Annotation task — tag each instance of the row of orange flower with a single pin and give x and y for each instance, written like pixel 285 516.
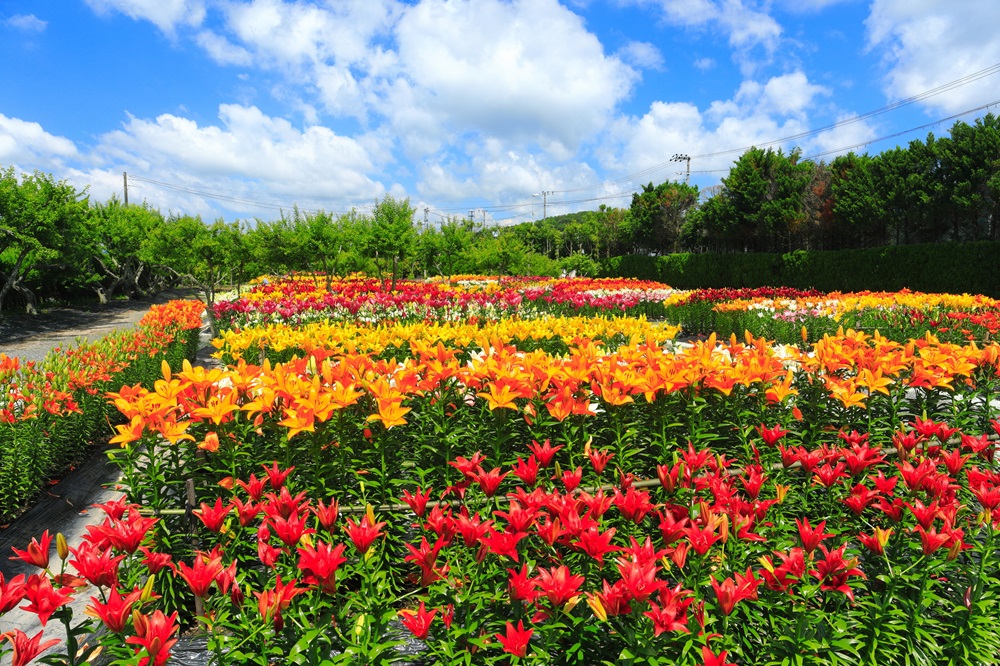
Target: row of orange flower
pixel 303 393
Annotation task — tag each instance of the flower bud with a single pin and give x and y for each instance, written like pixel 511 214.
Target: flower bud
pixel 62 548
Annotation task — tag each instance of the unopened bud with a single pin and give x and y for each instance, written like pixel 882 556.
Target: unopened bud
pixel 62 548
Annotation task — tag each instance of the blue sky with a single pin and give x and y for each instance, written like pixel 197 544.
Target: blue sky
pixel 243 108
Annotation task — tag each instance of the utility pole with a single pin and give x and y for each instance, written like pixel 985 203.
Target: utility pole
pixel 125 180
pixel 425 216
pixel 680 157
pixel 544 194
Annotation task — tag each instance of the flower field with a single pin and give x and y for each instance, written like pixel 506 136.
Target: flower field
pixel 519 471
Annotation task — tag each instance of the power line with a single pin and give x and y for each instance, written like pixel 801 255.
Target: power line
pixel 946 87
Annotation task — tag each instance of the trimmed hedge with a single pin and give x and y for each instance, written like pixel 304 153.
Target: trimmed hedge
pixel 954 268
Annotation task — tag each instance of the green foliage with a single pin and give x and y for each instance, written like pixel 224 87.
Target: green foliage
pixel 657 216
pixel 43 238
pixel 954 268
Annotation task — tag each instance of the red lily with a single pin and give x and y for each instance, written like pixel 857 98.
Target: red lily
pixel 425 557
pixel 270 603
pixel 811 536
pixel 254 487
pixel 558 584
pixel 99 567
pixel 544 452
pixel 515 641
pixel 772 435
pixel 275 476
pixel 634 504
pixel 246 512
pixel 596 543
pixel 319 565
pixel 213 516
pixel 730 591
pixel 153 633
pixel 521 586
pixel 527 470
pixel 200 576
pixel 363 534
pixel 43 599
pixel 833 571
pixel 37 552
pixel 418 621
pixel 501 543
pixel 116 612
pixel 671 613
pixel 417 501
pixel 11 592
pixel 709 658
pixel 489 481
pixel 26 649
pixel 571 478
pixel 599 459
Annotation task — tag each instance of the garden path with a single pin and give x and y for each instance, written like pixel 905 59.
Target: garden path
pixel 66 506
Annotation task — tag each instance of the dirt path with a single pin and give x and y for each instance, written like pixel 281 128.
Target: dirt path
pixel 30 338
pixel 66 506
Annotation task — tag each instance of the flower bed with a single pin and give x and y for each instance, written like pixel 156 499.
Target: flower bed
pixel 787 315
pixel 702 504
pixel 50 412
pixel 299 300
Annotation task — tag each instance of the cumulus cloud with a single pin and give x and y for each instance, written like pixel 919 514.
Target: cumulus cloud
pixel 746 23
pixel 167 15
pixel 642 54
pixel 28 144
pixel 926 44
pixel 539 77
pixel 222 51
pixel 247 144
pixel 26 23
pixel 756 115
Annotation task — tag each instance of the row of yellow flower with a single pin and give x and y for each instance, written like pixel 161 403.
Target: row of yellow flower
pixel 299 394
pixel 834 304
pixel 349 338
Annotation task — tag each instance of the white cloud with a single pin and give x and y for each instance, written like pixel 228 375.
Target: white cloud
pixel 526 71
pixel 757 114
pixel 26 23
pixel 642 54
pixel 247 144
pixel 746 23
pixel 928 43
pixel 222 51
pixel 167 15
pixel 704 64
pixel 28 144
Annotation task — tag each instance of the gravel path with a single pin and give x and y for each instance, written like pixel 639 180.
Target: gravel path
pixel 30 338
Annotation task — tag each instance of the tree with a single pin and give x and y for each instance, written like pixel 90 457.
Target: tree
pixel 42 233
pixel 765 189
pixel 658 213
pixel 198 254
pixel 119 232
pixel 393 234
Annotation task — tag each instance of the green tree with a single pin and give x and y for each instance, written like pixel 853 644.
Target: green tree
pixel 765 189
pixel 119 232
pixel 197 254
pixel 393 235
pixel 43 234
pixel 658 214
